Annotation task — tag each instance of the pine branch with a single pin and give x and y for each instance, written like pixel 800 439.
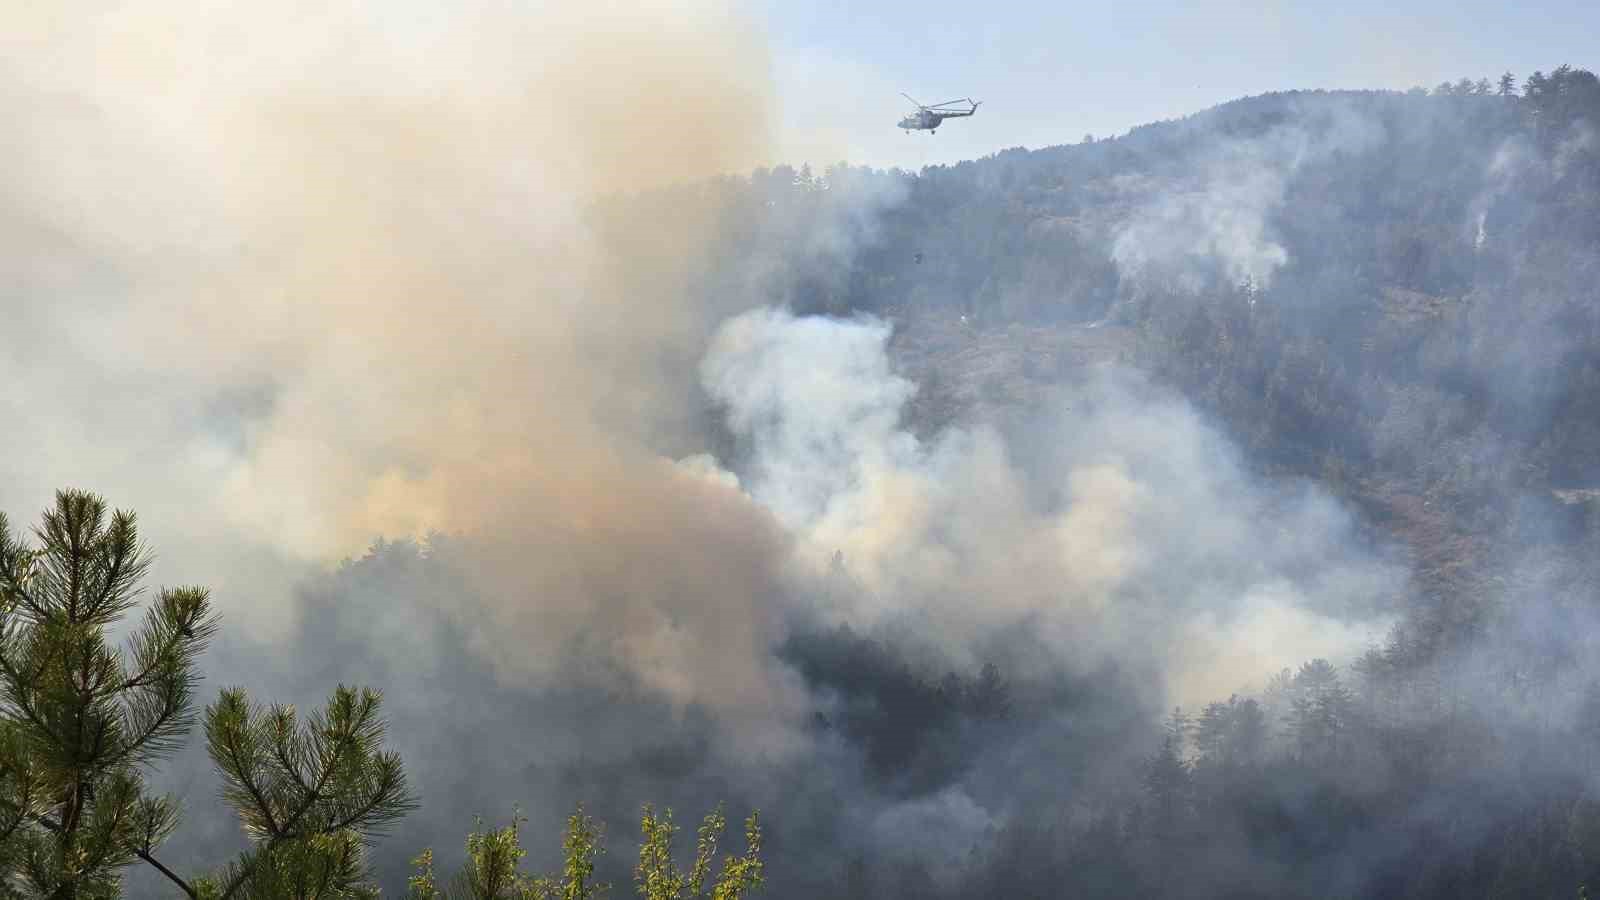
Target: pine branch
pixel 387 802
pixel 242 871
pixel 155 728
pixel 175 633
pixel 21 808
pixel 157 712
pixel 61 528
pixel 282 723
pixel 373 794
pixel 172 876
pixel 17 568
pixel 300 867
pixel 227 722
pixel 19 697
pixel 329 767
pixel 109 819
pixel 322 883
pixel 349 792
pixel 128 564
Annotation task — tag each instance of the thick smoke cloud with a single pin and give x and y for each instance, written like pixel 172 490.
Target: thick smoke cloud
pixel 1138 533
pixel 287 280
pixel 1157 579
pixel 307 275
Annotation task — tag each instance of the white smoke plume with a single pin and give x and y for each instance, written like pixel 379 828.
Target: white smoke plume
pixel 288 278
pixel 1144 534
pixel 1214 217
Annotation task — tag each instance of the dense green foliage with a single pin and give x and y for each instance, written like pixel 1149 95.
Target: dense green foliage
pixel 80 718
pixel 81 721
pixel 659 878
pixel 308 796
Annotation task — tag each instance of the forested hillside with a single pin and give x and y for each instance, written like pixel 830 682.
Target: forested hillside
pixel 1392 294
pixel 903 507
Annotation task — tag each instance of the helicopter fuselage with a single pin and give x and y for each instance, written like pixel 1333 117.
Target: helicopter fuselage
pixel 929 118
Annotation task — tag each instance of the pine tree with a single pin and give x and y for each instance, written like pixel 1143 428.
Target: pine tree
pixel 82 720
pixel 1178 727
pixel 1248 738
pixel 1321 712
pixel 1166 782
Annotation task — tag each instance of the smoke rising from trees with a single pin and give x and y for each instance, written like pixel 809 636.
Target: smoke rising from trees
pixel 290 281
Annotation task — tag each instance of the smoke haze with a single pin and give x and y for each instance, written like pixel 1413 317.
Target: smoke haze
pixel 953 538
pixel 288 280
pixel 331 273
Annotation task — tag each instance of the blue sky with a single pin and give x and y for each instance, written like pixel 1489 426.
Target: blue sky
pixel 1051 72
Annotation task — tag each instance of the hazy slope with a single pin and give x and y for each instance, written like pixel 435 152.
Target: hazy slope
pixel 901 505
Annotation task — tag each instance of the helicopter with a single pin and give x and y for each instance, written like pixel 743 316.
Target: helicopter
pixel 927 118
